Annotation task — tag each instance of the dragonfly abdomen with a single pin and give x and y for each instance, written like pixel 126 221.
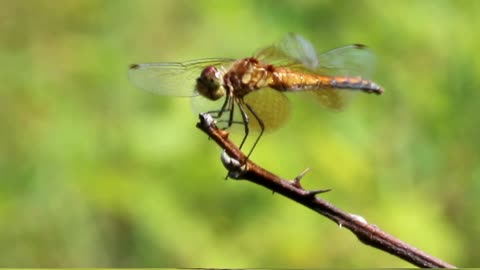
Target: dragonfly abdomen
pixel 354 83
pixel 287 80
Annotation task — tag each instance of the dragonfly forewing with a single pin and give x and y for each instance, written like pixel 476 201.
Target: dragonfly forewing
pixel 171 79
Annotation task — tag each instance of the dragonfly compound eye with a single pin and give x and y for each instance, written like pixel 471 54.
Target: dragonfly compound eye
pixel 209 84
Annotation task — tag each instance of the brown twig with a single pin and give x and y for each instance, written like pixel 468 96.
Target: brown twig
pixel 241 168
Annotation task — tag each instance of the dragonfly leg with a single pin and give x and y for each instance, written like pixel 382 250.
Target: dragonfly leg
pixel 230 117
pixel 230 108
pixel 262 127
pixel 245 120
pixel 226 107
pixel 230 122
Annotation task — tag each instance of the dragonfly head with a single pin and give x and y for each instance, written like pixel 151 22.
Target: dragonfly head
pixel 209 83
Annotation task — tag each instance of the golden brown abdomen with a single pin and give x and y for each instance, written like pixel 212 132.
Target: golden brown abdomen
pixel 287 80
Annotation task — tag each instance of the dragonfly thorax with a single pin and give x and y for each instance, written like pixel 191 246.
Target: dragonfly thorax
pixel 209 84
pixel 248 75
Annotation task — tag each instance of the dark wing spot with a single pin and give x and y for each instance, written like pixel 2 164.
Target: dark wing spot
pixel 134 66
pixel 360 46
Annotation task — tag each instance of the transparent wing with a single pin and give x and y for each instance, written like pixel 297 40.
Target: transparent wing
pixel 350 60
pixel 292 51
pixel 201 105
pixel 173 79
pixel 332 98
pixel 296 52
pixel 271 106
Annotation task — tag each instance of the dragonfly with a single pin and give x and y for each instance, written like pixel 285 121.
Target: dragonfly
pixel 250 92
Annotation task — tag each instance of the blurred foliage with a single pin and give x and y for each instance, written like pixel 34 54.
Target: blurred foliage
pixel 95 173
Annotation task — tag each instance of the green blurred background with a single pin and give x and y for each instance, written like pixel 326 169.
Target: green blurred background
pixel 95 173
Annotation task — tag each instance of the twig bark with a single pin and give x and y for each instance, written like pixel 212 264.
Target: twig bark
pixel 241 168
